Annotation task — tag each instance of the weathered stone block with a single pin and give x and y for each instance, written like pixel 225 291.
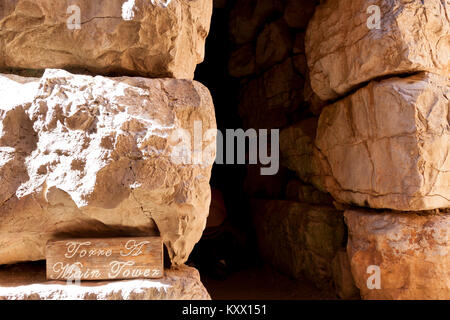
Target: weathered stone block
pixel 345 47
pixel 411 250
pixel 387 145
pixel 133 37
pixel 90 156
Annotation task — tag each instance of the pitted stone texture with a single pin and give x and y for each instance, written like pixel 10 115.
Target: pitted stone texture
pixel 27 283
pixel 86 156
pixel 387 145
pixel 132 37
pixel 412 251
pixel 344 53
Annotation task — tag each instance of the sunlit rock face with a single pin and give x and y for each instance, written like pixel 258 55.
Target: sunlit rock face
pixel 347 47
pixel 399 255
pixel 382 142
pixel 82 155
pixel 387 144
pixel 123 37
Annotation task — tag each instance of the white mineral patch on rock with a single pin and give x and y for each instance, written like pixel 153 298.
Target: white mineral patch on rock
pixel 92 155
pixel 128 10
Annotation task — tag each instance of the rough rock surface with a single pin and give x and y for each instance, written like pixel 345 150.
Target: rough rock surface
pixel 387 145
pixel 316 104
pixel 27 283
pixel 273 44
pixel 297 149
pixel 82 156
pixel 297 238
pixel 242 61
pixel 267 101
pixel 132 37
pixel 343 278
pixel 411 249
pixel 343 52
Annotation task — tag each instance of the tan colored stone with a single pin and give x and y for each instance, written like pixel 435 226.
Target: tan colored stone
pixel 298 12
pixel 343 53
pixel 343 278
pixel 316 104
pixel 28 283
pixel 266 101
pixel 387 145
pixel 297 238
pixel 132 37
pixel 242 61
pixel 90 156
pixel 248 16
pixel 273 44
pixel 412 251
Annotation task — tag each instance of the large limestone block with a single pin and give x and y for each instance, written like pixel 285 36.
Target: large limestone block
pixel 87 156
pixel 133 37
pixel 343 52
pixel 411 250
pixel 24 282
pixel 387 145
pixel 299 239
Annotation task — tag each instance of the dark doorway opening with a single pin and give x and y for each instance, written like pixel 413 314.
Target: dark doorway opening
pixel 230 265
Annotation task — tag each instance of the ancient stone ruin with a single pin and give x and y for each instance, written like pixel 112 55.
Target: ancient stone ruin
pixel 99 137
